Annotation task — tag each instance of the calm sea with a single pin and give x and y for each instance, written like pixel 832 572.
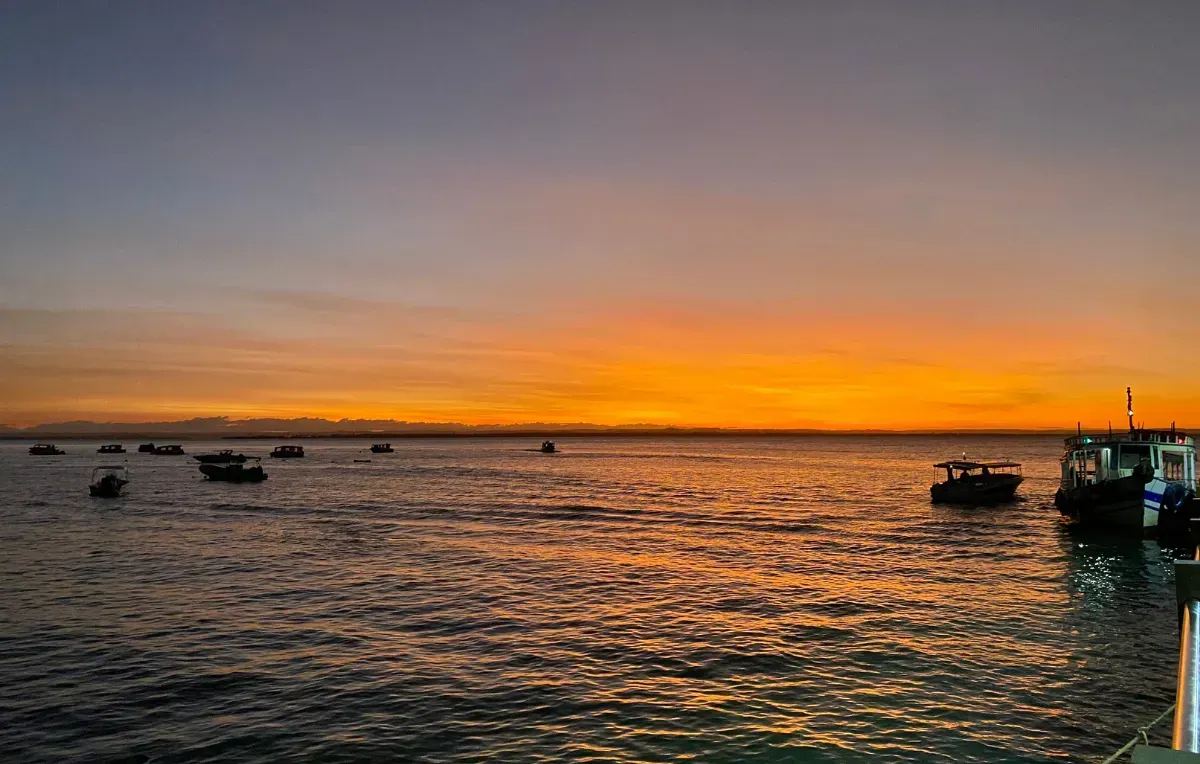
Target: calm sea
pixel 627 600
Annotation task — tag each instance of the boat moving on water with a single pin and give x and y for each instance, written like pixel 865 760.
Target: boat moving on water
pixel 548 447
pixel 235 473
pixel 976 483
pixel 221 457
pixel 107 482
pixel 45 449
pixel 1141 480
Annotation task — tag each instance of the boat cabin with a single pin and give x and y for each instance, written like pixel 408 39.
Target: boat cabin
pixel 112 448
pixel 168 451
pixel 1093 459
pixel 959 469
pixel 288 452
pixel 46 449
pixel 382 448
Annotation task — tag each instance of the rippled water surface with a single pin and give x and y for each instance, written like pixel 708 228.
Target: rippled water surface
pixel 716 600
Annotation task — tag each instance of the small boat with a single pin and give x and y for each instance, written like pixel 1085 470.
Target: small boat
pixel 169 451
pixel 146 448
pixel 112 448
pixel 288 452
pixel 548 447
pixel 1142 480
pixel 221 457
pixel 107 482
pixel 382 448
pixel 235 473
pixel 45 449
pixel 976 483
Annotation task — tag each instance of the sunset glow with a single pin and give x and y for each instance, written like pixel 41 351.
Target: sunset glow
pixel 482 214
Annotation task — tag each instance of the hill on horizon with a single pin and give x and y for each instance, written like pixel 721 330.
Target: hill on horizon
pixel 225 427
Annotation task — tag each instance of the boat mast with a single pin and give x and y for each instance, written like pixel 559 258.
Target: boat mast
pixel 1129 406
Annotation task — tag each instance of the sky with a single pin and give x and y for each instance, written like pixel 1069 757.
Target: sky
pixel 808 214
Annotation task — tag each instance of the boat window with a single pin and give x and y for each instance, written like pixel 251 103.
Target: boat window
pixel 1173 466
pixel 1132 455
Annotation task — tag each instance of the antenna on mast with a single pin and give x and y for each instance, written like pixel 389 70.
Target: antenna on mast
pixel 1129 406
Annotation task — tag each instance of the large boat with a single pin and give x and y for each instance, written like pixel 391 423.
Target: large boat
pixel 45 449
pixel 221 457
pixel 382 448
pixel 146 448
pixel 111 448
pixel 169 451
pixel 107 482
pixel 288 452
pixel 976 483
pixel 1138 480
pixel 235 473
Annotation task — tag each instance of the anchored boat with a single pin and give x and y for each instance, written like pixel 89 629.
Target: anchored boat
pixel 382 448
pixel 45 449
pixel 146 448
pixel 168 451
pixel 1138 480
pixel 548 447
pixel 111 448
pixel 107 482
pixel 235 473
pixel 288 452
pixel 976 483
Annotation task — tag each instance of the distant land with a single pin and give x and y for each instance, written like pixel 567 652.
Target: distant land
pixel 307 427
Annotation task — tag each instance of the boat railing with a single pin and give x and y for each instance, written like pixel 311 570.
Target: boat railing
pixel 1162 437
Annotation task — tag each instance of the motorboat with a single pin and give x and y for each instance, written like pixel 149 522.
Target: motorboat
pixel 976 483
pixel 221 457
pixel 1140 480
pixel 288 452
pixel 382 448
pixel 235 472
pixel 169 451
pixel 548 447
pixel 146 448
pixel 107 482
pixel 112 448
pixel 45 449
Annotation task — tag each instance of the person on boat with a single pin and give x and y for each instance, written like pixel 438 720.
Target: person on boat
pixel 963 475
pixel 985 472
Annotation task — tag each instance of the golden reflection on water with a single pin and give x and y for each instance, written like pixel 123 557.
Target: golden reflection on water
pixel 639 599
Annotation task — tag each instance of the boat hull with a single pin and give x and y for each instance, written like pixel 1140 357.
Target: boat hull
pixel 220 458
pixel 106 489
pixel 996 489
pixel 233 473
pixel 1118 503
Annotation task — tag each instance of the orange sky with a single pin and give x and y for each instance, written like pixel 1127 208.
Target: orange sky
pixel 792 216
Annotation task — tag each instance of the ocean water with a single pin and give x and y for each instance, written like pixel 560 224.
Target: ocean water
pixel 626 600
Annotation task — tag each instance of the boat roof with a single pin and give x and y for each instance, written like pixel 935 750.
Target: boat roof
pixel 1167 437
pixel 958 464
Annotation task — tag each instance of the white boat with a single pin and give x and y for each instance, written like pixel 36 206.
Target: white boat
pixel 1138 480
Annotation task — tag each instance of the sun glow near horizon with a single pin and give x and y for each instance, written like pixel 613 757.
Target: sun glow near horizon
pixel 797 217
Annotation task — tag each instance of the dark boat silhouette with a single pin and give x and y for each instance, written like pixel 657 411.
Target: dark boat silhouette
pixel 45 449
pixel 382 448
pixel 112 448
pixel 234 473
pixel 221 457
pixel 146 448
pixel 107 482
pixel 548 447
pixel 169 451
pixel 976 483
pixel 288 452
